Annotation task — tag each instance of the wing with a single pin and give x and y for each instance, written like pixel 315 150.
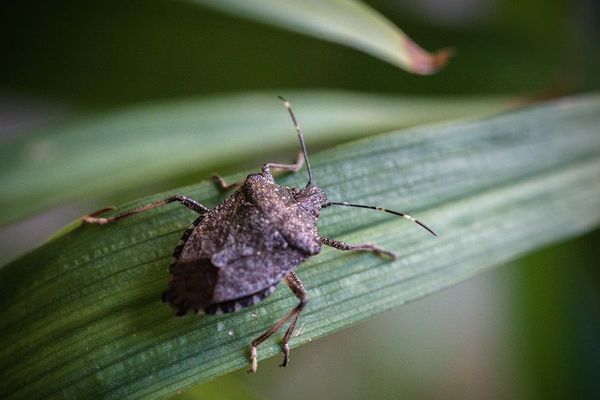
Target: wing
pixel 249 275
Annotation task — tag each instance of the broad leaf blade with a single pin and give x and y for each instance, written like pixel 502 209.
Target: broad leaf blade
pixel 81 316
pixel 348 22
pixel 101 155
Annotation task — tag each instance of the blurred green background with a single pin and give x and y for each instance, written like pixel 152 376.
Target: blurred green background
pixel 530 329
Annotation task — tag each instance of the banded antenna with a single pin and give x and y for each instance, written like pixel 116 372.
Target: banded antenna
pixel 400 214
pixel 300 137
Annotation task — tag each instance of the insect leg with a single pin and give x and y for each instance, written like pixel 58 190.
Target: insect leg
pixel 266 168
pixel 296 286
pixel 189 203
pixel 220 182
pixel 358 247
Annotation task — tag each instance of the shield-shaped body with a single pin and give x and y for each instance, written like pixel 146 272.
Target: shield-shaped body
pixel 235 255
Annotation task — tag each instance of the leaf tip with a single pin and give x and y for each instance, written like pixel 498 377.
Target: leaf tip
pixel 423 62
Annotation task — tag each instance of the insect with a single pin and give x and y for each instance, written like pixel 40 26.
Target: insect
pixel 233 256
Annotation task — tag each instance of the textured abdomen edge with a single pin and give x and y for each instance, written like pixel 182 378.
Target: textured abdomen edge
pixel 237 304
pixel 184 238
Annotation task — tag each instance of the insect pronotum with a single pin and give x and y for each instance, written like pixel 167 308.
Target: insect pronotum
pixel 233 256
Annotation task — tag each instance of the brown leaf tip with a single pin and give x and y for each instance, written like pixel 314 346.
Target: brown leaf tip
pixel 423 62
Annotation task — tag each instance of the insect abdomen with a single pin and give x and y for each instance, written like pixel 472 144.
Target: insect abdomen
pixel 192 285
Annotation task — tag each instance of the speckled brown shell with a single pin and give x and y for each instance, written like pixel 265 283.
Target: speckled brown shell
pixel 235 255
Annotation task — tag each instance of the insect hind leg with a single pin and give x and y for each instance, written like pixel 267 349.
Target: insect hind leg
pixel 296 286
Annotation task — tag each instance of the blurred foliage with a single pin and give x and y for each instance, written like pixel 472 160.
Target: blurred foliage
pixel 101 53
pixel 349 22
pixel 107 153
pixel 226 388
pixel 558 292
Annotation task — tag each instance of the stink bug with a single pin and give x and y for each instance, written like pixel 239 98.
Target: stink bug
pixel 235 255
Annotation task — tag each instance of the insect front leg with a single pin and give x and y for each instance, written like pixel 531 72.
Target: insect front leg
pixel 358 247
pixel 296 286
pixel 223 185
pixel 189 203
pixel 266 168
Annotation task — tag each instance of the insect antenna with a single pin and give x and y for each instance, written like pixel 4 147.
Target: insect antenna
pixel 300 137
pixel 402 215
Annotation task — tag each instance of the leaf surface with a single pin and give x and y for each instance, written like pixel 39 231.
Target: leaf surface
pixel 81 316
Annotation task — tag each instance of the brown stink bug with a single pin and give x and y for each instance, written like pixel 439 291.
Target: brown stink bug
pixel 235 255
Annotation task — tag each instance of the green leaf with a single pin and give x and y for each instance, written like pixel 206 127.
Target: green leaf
pixel 348 22
pixel 100 155
pixel 81 316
